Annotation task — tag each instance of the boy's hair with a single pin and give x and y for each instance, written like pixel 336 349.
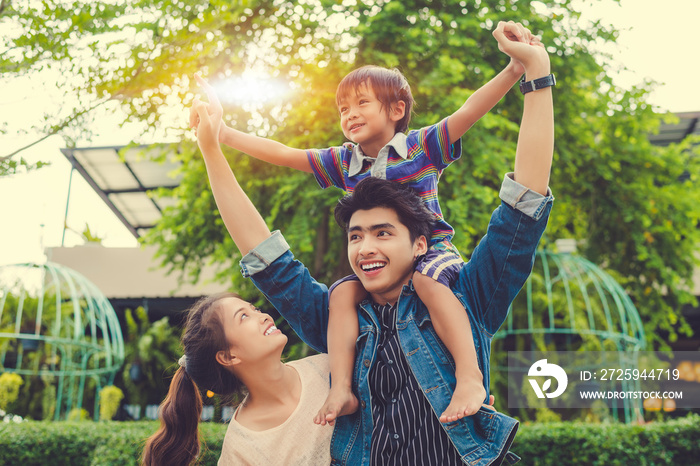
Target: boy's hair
pixel 374 192
pixel 389 85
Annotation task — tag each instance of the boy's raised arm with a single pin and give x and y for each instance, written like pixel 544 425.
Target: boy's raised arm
pixel 488 95
pixel 263 149
pixel 243 221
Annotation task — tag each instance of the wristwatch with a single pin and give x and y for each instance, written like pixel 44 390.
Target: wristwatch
pixel 536 84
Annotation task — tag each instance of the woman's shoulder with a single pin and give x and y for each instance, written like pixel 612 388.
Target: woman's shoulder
pixel 317 361
pixel 313 366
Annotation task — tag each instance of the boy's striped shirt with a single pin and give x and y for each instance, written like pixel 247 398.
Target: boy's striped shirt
pixel 416 159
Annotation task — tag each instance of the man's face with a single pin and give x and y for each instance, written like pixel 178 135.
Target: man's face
pixel 381 252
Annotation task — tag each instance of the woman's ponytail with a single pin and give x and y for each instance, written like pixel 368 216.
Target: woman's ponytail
pixel 177 440
pixel 176 443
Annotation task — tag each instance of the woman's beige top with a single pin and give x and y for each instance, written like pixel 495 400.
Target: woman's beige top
pixel 297 441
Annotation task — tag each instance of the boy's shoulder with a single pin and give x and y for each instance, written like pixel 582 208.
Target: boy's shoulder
pixel 343 150
pixel 439 126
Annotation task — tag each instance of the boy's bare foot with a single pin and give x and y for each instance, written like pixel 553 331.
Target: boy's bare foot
pixel 468 397
pixel 340 402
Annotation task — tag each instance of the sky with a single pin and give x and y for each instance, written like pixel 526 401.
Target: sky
pixel 657 42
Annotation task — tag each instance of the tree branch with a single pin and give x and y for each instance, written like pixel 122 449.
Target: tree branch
pixel 55 129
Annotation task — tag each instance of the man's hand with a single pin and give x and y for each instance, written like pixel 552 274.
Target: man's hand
pixel 516 32
pixel 492 399
pixel 522 47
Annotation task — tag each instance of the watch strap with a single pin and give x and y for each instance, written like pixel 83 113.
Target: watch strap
pixel 536 84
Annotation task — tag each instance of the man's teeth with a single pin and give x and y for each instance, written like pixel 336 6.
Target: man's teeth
pixel 372 266
pixel 270 330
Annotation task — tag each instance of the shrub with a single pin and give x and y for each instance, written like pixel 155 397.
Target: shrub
pixel 78 414
pixel 9 388
pixel 610 444
pixel 91 443
pixel 110 397
pixel 561 443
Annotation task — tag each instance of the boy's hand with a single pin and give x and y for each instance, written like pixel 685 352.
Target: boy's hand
pixel 518 33
pixel 206 118
pixel 522 47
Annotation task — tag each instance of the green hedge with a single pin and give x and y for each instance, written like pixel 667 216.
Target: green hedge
pixel 89 443
pixel 675 442
pixel 119 443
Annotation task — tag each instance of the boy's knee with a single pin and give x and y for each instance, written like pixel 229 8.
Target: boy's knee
pixel 349 291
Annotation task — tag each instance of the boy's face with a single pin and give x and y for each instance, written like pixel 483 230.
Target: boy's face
pixel 381 252
pixel 365 121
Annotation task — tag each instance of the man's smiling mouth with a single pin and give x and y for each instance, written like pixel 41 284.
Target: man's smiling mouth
pixel 372 266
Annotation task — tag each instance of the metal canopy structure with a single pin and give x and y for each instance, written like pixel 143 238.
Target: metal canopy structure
pixel 571 304
pixel 670 133
pixel 57 325
pixel 126 178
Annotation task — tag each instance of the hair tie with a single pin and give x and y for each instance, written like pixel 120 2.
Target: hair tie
pixel 183 361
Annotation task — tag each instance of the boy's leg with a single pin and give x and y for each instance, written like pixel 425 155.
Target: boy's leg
pixel 343 331
pixel 452 325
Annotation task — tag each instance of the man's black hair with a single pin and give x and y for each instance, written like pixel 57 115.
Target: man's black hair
pixel 375 192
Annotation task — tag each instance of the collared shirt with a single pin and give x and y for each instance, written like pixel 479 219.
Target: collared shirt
pixel 405 429
pixel 416 159
pixel 378 170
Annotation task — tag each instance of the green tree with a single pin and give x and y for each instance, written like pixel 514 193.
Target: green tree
pixel 630 205
pixel 10 166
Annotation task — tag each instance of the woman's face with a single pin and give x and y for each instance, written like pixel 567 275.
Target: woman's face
pixel 251 334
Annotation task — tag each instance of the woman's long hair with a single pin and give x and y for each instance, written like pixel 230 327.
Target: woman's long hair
pixel 177 442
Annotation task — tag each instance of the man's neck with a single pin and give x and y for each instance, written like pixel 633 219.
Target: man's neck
pixel 386 298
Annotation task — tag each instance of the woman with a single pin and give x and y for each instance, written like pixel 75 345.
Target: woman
pixel 229 345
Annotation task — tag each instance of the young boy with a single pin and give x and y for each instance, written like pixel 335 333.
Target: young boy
pixel 375 108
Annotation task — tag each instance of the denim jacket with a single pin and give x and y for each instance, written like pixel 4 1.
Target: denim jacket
pixel 486 286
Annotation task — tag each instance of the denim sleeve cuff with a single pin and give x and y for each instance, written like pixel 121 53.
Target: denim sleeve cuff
pixel 264 254
pixel 524 199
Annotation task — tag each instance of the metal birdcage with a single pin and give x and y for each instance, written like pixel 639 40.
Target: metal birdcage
pixel 570 304
pixel 57 325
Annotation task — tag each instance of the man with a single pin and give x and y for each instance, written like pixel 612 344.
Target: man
pixel 403 376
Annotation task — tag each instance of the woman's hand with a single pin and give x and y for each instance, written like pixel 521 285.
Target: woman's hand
pixel 206 118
